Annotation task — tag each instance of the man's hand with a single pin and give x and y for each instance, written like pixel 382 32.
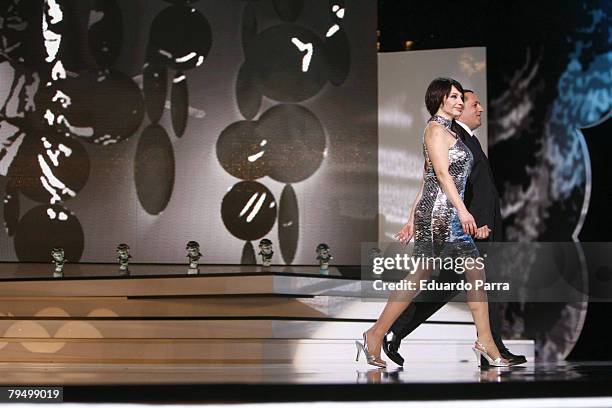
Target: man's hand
pixel 482 232
pixel 406 233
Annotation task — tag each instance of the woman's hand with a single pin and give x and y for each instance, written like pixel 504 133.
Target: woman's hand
pixel 467 222
pixel 406 233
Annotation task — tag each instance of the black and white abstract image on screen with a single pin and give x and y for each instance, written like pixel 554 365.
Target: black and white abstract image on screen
pixel 159 122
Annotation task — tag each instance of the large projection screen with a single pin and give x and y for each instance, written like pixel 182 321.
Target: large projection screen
pixel 252 126
pixel 403 78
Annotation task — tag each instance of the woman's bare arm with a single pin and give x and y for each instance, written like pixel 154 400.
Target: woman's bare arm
pixel 407 231
pixel 416 200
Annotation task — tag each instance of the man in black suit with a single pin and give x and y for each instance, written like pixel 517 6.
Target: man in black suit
pixel 482 200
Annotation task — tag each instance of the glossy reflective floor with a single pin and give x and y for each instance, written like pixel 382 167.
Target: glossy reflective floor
pixel 585 383
pixel 349 373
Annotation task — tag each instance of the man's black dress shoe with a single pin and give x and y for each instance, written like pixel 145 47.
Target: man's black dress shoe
pixel 513 359
pixel 390 346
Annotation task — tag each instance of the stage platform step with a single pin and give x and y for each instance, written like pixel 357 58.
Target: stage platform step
pixel 66 329
pixel 211 284
pixel 44 271
pixel 227 314
pixel 227 351
pixel 337 307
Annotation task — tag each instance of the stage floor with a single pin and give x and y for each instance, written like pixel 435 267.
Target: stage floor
pixel 334 373
pixel 331 382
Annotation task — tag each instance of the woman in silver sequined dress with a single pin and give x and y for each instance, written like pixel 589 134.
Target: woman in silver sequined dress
pixel 440 221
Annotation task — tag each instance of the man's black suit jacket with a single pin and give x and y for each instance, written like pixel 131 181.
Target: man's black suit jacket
pixel 481 197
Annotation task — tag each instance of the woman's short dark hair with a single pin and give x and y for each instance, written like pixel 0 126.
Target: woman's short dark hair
pixel 437 90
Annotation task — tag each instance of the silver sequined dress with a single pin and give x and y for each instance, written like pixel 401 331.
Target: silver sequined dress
pixel 437 229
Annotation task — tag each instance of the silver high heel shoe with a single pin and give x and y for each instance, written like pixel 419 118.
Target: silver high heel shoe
pixel 371 359
pixel 481 351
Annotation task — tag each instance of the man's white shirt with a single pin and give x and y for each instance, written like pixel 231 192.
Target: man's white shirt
pixel 466 127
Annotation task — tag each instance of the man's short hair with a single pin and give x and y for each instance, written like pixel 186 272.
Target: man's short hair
pixel 437 90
